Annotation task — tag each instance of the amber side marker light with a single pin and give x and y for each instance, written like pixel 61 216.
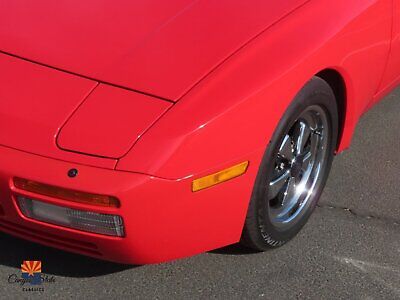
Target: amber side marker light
pixel 65 194
pixel 219 177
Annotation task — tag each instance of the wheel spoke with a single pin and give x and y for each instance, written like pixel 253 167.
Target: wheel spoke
pixel 306 160
pixel 278 184
pixel 290 191
pixel 286 149
pixel 290 198
pixel 302 135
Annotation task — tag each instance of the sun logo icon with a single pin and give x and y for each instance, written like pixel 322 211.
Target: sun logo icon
pixel 32 271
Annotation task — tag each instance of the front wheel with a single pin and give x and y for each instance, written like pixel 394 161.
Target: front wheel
pixel 294 168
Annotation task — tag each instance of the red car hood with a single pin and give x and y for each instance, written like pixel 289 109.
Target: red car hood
pixel 158 47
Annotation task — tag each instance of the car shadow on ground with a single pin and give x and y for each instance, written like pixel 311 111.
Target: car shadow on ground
pixel 235 249
pixel 14 251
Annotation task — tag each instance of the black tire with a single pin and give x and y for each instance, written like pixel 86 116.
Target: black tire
pixel 259 231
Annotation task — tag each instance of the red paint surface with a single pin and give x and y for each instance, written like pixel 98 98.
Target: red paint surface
pixel 110 121
pixel 234 67
pixel 160 47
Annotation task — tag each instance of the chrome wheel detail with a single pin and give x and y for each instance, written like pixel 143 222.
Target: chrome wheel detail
pixel 294 168
pixel 298 165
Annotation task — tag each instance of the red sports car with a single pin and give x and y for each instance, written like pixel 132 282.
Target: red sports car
pixel 144 131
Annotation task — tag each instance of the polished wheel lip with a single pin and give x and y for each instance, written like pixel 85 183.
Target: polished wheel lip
pixel 298 166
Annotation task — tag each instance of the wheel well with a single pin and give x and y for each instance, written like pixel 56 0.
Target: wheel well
pixel 337 84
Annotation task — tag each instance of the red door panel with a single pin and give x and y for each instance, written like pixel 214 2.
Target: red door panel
pixel 392 74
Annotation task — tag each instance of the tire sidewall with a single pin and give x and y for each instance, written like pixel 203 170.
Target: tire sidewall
pixel 315 92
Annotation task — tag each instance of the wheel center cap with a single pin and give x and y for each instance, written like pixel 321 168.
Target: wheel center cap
pixel 296 167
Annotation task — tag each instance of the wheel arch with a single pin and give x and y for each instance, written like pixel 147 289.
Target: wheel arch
pixel 338 85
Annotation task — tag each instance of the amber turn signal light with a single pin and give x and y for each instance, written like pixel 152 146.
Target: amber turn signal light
pixel 65 194
pixel 219 177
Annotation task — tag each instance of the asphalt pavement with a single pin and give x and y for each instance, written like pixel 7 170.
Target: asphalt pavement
pixel 350 248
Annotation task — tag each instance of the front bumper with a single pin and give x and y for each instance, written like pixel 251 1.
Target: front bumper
pixel 163 218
